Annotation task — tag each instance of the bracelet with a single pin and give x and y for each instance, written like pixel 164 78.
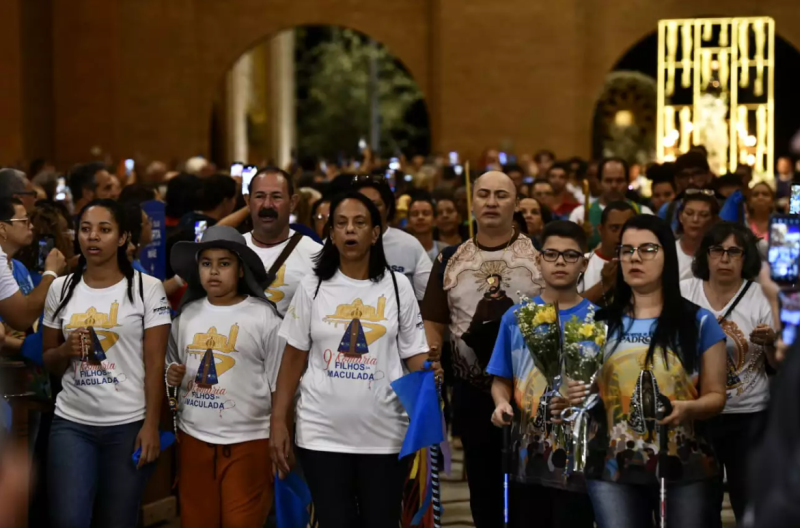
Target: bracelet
pixel 51 273
pixel 173 400
pixel 179 281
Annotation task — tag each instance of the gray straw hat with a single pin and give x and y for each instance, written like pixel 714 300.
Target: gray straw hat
pixel 184 257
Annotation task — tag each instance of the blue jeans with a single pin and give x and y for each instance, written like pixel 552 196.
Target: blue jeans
pixel 690 505
pixel 91 475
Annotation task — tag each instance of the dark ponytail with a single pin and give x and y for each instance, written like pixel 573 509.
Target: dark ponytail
pixel 123 224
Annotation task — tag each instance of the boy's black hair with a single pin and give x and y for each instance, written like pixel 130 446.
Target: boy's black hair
pixel 566 229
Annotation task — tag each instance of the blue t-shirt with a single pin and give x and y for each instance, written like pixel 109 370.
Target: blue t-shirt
pixel 538 457
pixel 22 276
pixel 662 213
pixel 629 389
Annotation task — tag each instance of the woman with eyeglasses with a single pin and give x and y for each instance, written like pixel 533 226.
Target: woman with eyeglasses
pixel 352 328
pixel 726 266
pixel 697 213
pixel 760 206
pixel 320 212
pixel 660 346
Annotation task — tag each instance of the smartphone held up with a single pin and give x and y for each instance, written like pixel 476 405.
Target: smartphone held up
pixel 784 248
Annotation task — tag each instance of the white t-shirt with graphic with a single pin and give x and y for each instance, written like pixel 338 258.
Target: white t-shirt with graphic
pixel 243 339
pixel 748 386
pixel 8 285
pixel 356 350
pixel 111 393
pixel 405 255
pixel 299 264
pixel 684 263
pixel 593 273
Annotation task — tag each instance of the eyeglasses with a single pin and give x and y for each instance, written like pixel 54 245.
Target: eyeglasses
pixel 12 220
pixel 321 217
pixel 570 256
pixel 733 252
pixel 646 251
pixel 707 192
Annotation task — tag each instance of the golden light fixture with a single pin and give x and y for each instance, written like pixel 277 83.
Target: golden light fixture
pixel 725 97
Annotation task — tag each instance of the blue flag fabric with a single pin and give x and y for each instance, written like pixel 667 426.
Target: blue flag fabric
pixel 292 498
pixel 733 208
pixel 417 392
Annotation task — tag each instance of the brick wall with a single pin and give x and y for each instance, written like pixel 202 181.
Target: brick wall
pixel 138 77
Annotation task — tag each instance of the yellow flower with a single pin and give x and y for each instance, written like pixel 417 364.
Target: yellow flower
pixel 599 340
pixel 587 330
pixel 548 315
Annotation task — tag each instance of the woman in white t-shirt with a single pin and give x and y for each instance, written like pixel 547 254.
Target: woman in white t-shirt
pixel 224 355
pixel 352 328
pixel 698 212
pixel 726 264
pixel 106 330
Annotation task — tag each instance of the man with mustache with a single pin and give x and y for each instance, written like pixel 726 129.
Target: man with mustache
pixel 272 200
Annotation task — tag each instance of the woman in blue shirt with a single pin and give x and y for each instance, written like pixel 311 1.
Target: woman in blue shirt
pixel 659 345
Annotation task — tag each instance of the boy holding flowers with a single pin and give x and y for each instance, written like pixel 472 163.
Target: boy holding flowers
pixel 540 493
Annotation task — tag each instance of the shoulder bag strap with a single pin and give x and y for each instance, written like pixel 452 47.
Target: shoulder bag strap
pixel 735 302
pixel 273 271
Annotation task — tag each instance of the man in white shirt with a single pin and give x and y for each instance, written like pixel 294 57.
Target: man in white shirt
pixel 272 200
pixel 21 311
pixel 613 174
pixel 404 253
pixel 600 278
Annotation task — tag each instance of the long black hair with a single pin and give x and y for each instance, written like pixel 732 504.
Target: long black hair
pixel 118 213
pixel 676 327
pixel 327 260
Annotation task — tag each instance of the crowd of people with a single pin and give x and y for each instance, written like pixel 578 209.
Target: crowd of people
pixel 293 299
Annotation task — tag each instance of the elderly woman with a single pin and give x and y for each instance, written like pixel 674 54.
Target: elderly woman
pixel 725 267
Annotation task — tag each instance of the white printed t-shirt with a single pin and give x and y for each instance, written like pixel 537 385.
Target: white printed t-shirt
pixel 347 404
pixel 405 255
pixel 8 285
pixel 747 382
pixel 247 356
pixel 111 393
pixel 684 263
pixel 299 264
pixel 594 271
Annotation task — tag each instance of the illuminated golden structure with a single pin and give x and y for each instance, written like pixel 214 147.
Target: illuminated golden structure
pixel 715 88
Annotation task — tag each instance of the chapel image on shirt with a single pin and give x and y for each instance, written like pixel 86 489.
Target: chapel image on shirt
pixel 94 319
pixel 216 342
pixel 299 264
pixel 357 316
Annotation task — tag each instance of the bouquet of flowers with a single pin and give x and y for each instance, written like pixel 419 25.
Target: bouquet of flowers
pixel 538 324
pixel 583 348
pixel 584 343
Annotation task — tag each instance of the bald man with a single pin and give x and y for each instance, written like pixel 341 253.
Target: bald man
pixel 471 287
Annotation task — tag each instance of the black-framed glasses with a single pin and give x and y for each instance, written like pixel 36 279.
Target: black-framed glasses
pixel 646 251
pixel 733 252
pixel 570 256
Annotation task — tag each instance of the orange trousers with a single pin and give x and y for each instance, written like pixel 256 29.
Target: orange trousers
pixel 224 486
